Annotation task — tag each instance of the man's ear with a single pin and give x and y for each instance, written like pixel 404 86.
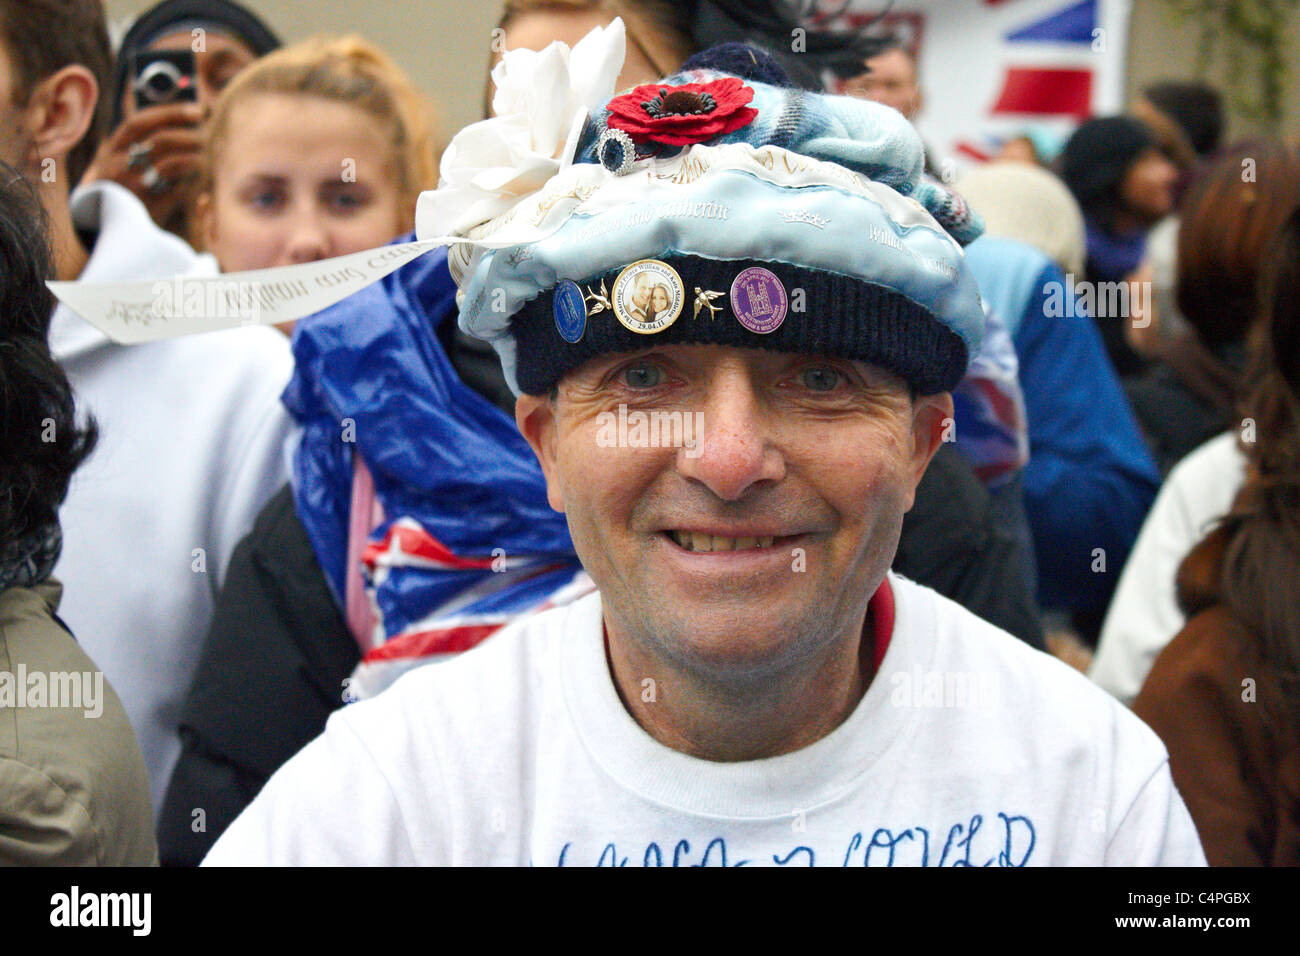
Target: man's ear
pixel 59 113
pixel 932 424
pixel 535 416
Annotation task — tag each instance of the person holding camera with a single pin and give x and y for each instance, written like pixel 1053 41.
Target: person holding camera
pixel 174 62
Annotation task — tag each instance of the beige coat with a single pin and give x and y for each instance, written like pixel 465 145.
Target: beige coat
pixel 73 788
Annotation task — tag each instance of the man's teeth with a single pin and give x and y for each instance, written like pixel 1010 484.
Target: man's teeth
pixel 694 541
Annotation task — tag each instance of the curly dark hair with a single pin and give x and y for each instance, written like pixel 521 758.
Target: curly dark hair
pixel 43 445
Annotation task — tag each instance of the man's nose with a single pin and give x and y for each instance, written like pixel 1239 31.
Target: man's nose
pixel 733 448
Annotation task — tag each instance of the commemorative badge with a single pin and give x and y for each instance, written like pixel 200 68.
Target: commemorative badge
pixel 648 296
pixel 570 311
pixel 758 300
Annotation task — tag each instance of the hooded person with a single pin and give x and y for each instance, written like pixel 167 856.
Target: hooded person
pixel 1124 185
pixel 749 653
pixel 193 435
pixel 154 149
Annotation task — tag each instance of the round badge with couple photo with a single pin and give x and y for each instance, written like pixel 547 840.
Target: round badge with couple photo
pixel 648 296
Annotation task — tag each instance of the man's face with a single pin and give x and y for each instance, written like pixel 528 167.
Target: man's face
pixel 641 292
pixel 761 541
pixel 891 80
pixel 16 146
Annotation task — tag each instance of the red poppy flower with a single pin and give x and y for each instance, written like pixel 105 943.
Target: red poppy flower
pixel 685 114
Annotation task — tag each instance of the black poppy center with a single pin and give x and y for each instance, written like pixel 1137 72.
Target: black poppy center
pixel 680 103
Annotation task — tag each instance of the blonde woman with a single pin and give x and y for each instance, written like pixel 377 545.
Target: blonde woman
pixel 318 150
pixel 315 151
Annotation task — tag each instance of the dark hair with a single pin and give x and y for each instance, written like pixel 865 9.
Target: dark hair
pixel 890 42
pixel 1197 108
pixel 44 36
pixel 771 25
pixel 1250 562
pixel 43 445
pixel 1228 223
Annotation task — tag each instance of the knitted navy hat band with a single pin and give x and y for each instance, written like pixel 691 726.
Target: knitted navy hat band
pixel 842 317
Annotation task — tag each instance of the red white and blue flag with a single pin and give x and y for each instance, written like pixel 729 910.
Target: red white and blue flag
pixel 433 603
pixel 992 69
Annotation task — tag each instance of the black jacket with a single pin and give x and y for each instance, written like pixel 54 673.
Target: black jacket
pixel 272 671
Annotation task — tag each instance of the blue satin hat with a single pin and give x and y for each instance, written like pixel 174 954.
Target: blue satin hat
pixel 806 228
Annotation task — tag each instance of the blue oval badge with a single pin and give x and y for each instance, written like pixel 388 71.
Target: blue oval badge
pixel 570 311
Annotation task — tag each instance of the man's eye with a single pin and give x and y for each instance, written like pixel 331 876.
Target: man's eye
pixel 819 378
pixel 642 376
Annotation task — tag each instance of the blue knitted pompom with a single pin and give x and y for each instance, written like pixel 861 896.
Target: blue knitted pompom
pixel 742 60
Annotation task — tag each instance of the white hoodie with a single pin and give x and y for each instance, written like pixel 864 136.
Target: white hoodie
pixel 1144 615
pixel 193 441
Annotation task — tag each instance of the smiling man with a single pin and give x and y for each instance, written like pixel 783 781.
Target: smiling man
pixel 751 684
pixel 805 462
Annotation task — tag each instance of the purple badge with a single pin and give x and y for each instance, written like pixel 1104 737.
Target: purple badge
pixel 758 300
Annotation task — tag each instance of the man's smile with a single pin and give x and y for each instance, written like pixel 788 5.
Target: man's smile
pixel 710 540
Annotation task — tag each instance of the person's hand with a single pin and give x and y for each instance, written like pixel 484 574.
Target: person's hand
pixel 155 153
pixel 1142 330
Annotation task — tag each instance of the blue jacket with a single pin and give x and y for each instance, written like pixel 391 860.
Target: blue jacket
pixel 1090 477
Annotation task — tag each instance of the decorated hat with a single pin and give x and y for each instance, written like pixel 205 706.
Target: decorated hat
pixel 709 208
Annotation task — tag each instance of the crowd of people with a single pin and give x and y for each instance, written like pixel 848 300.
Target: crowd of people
pixel 982 551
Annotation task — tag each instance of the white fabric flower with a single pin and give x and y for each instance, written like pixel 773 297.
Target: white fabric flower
pixel 542 100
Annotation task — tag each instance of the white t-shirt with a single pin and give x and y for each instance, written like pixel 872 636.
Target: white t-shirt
pixel 520 752
pixel 192 444
pixel 1144 615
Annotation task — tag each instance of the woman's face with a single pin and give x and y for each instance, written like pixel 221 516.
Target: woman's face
pixel 1147 189
pixel 659 300
pixel 298 179
pixel 537 29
